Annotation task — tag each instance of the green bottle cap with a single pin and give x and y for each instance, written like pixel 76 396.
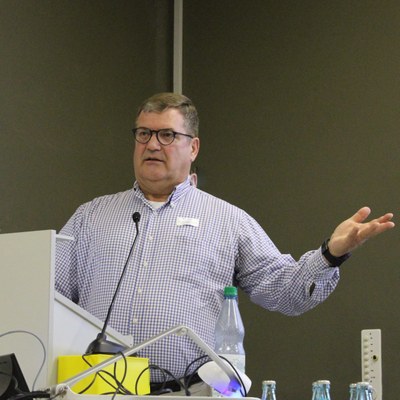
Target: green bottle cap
pixel 230 291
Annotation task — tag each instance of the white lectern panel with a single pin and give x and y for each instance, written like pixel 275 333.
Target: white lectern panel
pixel 26 298
pixel 29 303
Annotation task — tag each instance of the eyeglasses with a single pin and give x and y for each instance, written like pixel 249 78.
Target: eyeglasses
pixel 164 136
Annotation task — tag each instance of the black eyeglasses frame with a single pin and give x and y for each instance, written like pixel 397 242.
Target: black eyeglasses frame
pixel 156 132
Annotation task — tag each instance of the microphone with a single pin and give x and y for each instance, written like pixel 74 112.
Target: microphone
pixel 101 345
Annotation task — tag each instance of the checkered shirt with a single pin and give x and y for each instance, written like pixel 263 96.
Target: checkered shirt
pixel 186 252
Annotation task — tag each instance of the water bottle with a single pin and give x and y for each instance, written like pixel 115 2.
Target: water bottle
pixel 321 390
pixel 363 391
pixel 268 390
pixel 352 391
pixel 229 330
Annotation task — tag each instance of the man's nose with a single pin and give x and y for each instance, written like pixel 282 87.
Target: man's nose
pixel 153 143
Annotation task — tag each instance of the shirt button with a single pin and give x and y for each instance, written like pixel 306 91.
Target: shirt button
pixel 150 238
pixel 135 321
pixel 145 263
pixel 139 291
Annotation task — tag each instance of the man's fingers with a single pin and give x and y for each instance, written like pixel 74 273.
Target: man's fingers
pixel 385 218
pixel 374 228
pixel 361 214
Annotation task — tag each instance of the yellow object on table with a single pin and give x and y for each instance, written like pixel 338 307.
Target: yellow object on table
pixel 105 382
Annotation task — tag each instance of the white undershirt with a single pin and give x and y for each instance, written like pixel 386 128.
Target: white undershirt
pixel 157 204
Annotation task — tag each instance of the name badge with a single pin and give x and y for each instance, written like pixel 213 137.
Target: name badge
pixel 180 221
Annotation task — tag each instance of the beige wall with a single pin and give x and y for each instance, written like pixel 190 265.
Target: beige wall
pixel 300 120
pixel 72 74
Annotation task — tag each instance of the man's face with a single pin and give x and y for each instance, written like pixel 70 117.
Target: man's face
pixel 158 168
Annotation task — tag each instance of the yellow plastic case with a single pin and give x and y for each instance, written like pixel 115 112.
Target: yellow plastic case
pixel 71 365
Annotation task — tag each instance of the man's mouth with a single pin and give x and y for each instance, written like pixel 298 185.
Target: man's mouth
pixel 152 159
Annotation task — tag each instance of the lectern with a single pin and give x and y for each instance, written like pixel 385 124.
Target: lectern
pixel 29 303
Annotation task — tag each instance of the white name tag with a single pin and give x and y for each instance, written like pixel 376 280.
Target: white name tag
pixel 180 221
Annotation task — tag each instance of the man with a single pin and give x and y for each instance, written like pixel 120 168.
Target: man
pixel 189 247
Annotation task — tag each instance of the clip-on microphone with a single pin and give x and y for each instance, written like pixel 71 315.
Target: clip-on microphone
pixel 101 345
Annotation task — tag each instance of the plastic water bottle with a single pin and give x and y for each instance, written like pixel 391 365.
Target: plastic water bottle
pixel 321 390
pixel 268 390
pixel 229 331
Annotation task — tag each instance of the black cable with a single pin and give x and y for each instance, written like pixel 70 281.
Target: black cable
pixel 137 380
pixel 89 385
pixel 94 376
pixel 244 392
pixel 119 385
pixel 173 377
pixel 120 389
pixel 165 372
pixel 150 367
pixel 187 378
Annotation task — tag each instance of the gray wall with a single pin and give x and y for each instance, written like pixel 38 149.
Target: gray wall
pixel 300 119
pixel 72 74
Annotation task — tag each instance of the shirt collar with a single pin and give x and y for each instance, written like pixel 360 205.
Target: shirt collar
pixel 179 191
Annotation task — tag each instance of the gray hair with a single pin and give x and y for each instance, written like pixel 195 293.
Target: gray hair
pixel 164 101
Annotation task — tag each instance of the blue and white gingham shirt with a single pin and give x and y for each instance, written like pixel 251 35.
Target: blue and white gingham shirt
pixel 186 252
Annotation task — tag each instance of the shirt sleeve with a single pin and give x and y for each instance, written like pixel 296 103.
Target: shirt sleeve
pixel 276 281
pixel 68 254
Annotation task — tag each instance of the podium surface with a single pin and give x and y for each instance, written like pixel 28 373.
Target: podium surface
pixel 70 395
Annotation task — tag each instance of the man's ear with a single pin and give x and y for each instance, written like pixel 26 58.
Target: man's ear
pixel 193 179
pixel 195 145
